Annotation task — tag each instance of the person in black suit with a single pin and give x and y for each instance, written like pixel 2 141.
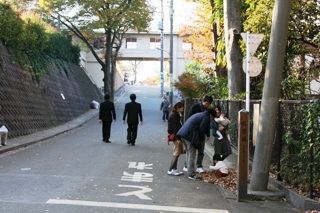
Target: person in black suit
pixel 106 114
pixel 133 109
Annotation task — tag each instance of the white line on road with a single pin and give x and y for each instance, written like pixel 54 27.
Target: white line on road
pixel 133 206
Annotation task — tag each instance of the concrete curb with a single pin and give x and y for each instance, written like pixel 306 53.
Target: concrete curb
pixel 294 198
pixel 27 140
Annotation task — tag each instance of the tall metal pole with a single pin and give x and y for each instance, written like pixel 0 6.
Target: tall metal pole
pixel 171 51
pixel 247 74
pixel 161 62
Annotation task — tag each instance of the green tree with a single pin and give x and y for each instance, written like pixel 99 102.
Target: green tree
pixel 195 83
pixel 303 42
pixel 114 17
pixel 216 34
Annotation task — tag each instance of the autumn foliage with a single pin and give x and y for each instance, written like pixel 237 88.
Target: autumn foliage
pixel 185 84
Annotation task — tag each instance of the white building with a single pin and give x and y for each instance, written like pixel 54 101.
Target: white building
pixel 142 47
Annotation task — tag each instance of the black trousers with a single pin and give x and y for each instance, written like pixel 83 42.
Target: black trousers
pixel 106 126
pixel 132 132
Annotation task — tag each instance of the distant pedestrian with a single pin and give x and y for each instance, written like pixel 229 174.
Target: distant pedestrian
pixel 165 107
pixel 192 133
pixel 3 135
pixel 134 112
pixel 107 113
pixel 196 108
pixel 174 124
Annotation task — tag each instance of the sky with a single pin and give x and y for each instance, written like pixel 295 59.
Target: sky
pixel 181 14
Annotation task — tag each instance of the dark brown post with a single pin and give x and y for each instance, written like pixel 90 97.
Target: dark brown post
pixel 243 154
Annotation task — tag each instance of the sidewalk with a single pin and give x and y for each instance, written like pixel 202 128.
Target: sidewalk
pixel 276 190
pixel 23 141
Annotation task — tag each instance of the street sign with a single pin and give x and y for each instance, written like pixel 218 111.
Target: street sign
pixel 255 66
pixel 254 41
pixel 251 67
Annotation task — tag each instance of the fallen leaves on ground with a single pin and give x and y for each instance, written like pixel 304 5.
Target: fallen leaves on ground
pixel 313 211
pixel 230 182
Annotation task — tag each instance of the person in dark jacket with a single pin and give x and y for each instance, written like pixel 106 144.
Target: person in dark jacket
pixel 192 132
pixel 195 108
pixel 107 113
pixel 134 112
pixel 222 148
pixel 201 105
pixel 174 124
pixel 165 107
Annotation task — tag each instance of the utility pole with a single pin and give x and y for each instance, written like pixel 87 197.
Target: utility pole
pixel 171 52
pixel 270 96
pixel 160 26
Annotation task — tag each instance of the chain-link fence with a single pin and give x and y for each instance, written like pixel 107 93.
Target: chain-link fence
pixel 287 162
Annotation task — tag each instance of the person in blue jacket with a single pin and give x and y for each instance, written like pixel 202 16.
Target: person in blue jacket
pixel 192 133
pixel 195 108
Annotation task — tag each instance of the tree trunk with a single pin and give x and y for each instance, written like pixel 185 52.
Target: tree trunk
pixel 219 69
pixel 270 96
pixel 232 28
pixel 113 71
pixel 107 75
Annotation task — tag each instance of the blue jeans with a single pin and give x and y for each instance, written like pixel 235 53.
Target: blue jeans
pixel 165 115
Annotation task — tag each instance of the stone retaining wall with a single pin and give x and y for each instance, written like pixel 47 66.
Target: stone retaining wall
pixel 27 106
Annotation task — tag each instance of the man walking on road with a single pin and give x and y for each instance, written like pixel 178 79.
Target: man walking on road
pixel 106 114
pixel 134 111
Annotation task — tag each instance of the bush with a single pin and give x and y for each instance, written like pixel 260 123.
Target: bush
pixel 301 153
pixel 34 44
pixel 11 26
pixel 195 83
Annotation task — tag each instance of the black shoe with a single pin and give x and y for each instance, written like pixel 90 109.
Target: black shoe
pixel 194 177
pixel 108 141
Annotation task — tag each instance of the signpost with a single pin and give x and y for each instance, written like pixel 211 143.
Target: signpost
pixel 252 66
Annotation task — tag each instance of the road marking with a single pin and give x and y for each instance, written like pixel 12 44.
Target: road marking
pixel 140 193
pixel 134 206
